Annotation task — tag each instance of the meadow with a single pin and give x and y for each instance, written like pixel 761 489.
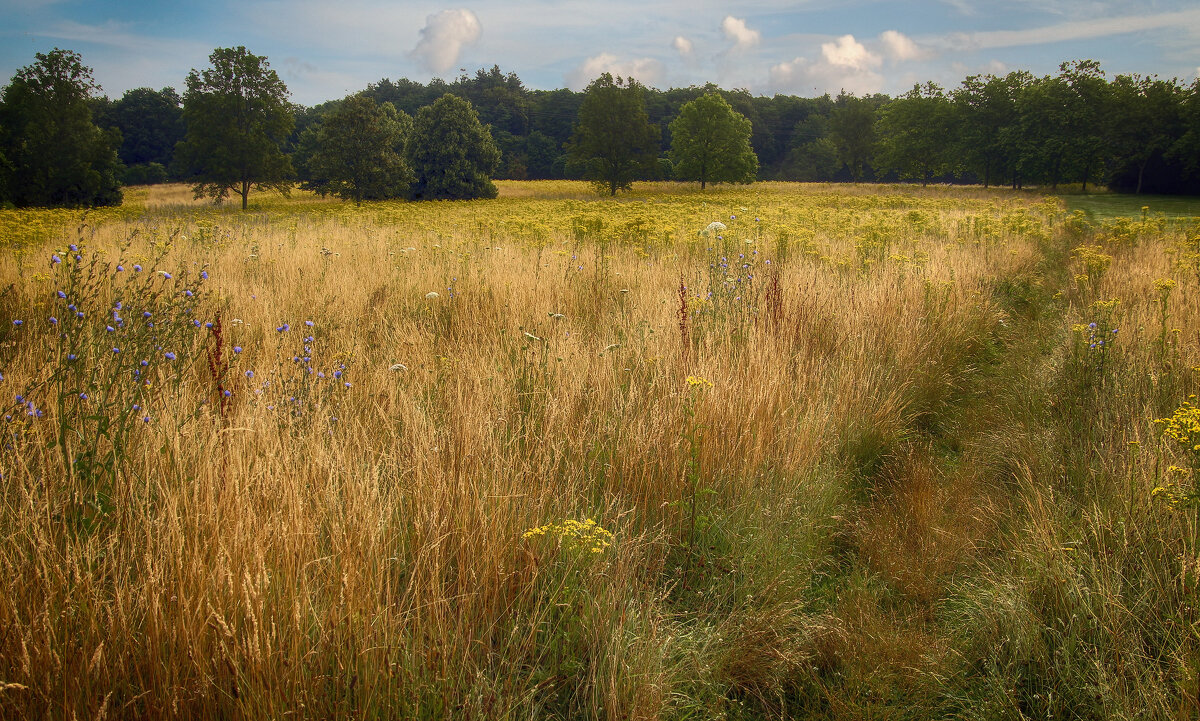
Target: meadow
pixel 857 452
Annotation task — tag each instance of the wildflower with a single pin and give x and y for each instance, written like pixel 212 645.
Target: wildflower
pixel 145 363
pixel 228 393
pixel 109 328
pixel 70 356
pixel 347 384
pixel 308 323
pixel 188 293
pixel 169 355
pixel 137 269
pixel 18 322
pixel 120 269
pixel 204 274
pixel 249 374
pixel 83 396
pixel 116 350
pixel 196 323
pixel 208 324
pixel 53 320
pixel 165 274
pixel 73 248
pixel 55 259
pixel 237 349
pixel 146 419
pixel 337 374
pixel 283 328
pixel 431 295
pixel 697 381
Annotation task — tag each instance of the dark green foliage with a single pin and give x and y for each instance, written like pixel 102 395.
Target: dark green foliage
pixel 51 152
pixel 710 142
pixel 145 174
pixel 238 118
pixel 913 132
pixel 151 125
pixel 852 130
pixel 360 152
pixel 614 142
pixel 451 153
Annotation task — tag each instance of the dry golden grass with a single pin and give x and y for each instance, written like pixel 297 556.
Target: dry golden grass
pixel 257 562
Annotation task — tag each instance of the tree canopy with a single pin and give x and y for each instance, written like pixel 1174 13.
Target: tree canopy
pixel 614 142
pixel 913 130
pixel 51 152
pixel 360 152
pixel 451 153
pixel 238 118
pixel 710 142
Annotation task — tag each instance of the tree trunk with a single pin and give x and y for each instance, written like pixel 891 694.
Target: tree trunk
pixel 1141 172
pixel 245 193
pixel 702 184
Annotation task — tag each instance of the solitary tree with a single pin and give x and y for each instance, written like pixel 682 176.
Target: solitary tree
pixel 710 142
pixel 614 141
pixel 360 152
pixel 238 118
pixel 51 152
pixel 451 153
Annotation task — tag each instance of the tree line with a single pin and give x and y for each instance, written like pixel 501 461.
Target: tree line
pixel 61 143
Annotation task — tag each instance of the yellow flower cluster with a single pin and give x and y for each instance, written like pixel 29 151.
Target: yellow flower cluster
pixel 582 535
pixel 1183 426
pixel 698 382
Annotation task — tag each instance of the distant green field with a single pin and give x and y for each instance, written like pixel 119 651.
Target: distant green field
pixel 1106 206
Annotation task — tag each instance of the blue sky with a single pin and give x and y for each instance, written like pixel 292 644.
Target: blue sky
pixel 325 50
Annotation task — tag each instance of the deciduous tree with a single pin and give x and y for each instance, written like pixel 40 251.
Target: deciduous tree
pixel 238 118
pixel 614 142
pixel 360 152
pixel 710 142
pixel 51 152
pixel 451 153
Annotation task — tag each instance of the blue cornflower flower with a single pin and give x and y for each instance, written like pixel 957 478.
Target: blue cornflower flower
pixel 18 322
pixel 55 259
pixel 283 328
pixel 79 314
pixel 136 407
pixel 74 248
pixel 188 293
pixel 53 320
pixel 347 384
pixel 204 274
pixel 165 274
pixel 169 355
pixel 249 374
pixel 308 323
pixel 145 363
pixel 70 356
pixel 208 324
pixel 78 258
pixel 137 269
pixel 228 393
pixel 337 374
pixel 145 314
pixel 196 323
pixel 120 269
pixel 237 349
pixel 146 419
pixel 83 396
pixel 109 328
pixel 116 350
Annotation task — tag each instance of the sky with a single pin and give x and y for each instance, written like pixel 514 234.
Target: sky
pixel 324 50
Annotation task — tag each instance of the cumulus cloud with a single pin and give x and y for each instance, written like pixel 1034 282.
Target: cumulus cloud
pixel 845 64
pixel 443 38
pixel 683 45
pixel 899 47
pixel 647 71
pixel 735 29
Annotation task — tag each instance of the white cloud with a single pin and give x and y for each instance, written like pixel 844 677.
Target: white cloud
pixel 444 37
pixel 647 71
pixel 683 45
pixel 845 64
pixel 899 47
pixel 735 29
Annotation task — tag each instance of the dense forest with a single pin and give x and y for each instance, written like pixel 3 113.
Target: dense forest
pixel 1130 133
